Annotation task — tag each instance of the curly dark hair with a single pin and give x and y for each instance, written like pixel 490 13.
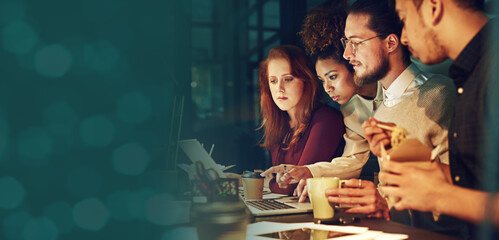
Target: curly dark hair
pixel 322 31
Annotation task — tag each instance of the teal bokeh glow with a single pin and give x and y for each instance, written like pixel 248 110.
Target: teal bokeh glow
pixel 97 131
pixel 61 214
pixel 12 193
pixel 40 229
pixel 130 159
pixel 13 225
pixel 119 205
pixel 137 203
pixel 18 38
pixel 180 233
pixel 4 136
pixel 101 56
pixel 53 61
pixel 164 210
pixel 59 118
pixel 83 182
pixel 90 214
pixel 133 107
pixel 35 145
pixel 12 10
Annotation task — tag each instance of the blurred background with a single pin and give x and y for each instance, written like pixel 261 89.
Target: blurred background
pixel 95 94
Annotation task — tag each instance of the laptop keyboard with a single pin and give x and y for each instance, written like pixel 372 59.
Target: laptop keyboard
pixel 268 204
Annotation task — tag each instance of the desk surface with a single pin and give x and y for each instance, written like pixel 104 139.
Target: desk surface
pixel 371 223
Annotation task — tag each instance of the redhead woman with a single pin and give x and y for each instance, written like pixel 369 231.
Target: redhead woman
pixel 298 128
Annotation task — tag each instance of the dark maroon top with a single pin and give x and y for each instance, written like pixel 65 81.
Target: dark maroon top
pixel 321 141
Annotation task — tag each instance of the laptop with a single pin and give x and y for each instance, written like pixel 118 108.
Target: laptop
pixel 276 204
pixel 271 204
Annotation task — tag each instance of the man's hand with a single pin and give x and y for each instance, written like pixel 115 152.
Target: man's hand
pixel 376 136
pixel 366 195
pixel 417 188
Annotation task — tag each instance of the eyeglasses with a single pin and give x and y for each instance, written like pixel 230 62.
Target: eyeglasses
pixel 349 43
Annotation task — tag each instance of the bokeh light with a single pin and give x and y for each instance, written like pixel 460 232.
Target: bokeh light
pixel 90 214
pixel 83 182
pixel 11 10
pixel 119 205
pixel 12 193
pixel 59 118
pixel 164 210
pixel 97 131
pixel 101 56
pixel 4 136
pixel 13 225
pixel 18 38
pixel 130 159
pixel 52 61
pixel 133 107
pixel 34 145
pixel 180 233
pixel 40 229
pixel 138 202
pixel 61 213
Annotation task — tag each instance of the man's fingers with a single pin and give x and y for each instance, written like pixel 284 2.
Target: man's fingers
pixel 390 179
pixel 351 200
pixel 400 205
pixel 390 190
pixel 357 183
pixel 369 122
pixel 366 209
pixel 394 167
pixel 375 144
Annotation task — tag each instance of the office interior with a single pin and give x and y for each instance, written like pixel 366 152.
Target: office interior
pixel 221 94
pixel 95 94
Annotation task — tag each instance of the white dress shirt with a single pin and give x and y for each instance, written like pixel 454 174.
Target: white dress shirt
pixel 404 85
pixel 356 152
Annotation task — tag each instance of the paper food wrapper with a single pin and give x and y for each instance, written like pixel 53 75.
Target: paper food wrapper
pixel 411 152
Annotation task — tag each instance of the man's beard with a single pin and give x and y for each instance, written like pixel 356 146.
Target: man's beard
pixel 435 51
pixel 378 73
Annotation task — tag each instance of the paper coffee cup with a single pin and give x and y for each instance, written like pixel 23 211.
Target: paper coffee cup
pixel 252 185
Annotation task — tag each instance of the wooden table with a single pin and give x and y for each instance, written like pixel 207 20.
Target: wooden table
pixel 371 223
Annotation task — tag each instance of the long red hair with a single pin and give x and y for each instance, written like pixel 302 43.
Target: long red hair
pixel 275 122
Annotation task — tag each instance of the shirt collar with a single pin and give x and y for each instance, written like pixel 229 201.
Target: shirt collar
pixel 401 83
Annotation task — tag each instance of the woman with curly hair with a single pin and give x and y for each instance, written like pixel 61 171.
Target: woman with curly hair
pixel 321 34
pixel 296 123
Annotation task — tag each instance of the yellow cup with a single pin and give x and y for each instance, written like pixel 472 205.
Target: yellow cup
pixel 322 208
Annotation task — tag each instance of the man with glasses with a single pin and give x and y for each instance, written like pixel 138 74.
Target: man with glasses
pixel 418 101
